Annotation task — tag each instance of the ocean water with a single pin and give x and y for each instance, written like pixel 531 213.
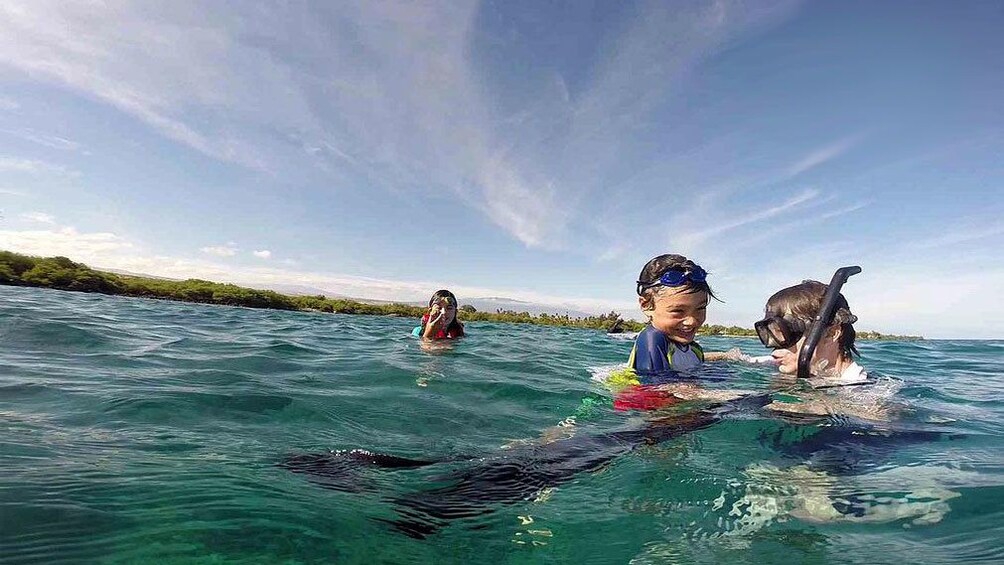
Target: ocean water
pixel 146 431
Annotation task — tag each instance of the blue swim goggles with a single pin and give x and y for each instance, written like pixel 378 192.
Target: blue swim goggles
pixel 676 277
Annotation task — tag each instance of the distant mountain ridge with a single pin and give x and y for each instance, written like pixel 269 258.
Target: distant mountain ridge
pixel 482 304
pixel 493 303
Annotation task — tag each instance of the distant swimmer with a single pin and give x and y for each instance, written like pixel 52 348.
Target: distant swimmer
pixel 440 321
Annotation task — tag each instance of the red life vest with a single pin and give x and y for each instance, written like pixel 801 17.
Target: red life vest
pixel 643 397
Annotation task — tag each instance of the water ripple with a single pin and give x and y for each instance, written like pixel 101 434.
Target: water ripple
pixel 147 431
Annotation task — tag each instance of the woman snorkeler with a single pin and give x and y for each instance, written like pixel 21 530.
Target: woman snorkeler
pixel 440 321
pixel 846 424
pixel 810 328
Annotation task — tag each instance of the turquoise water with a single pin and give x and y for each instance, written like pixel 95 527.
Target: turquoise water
pixel 147 431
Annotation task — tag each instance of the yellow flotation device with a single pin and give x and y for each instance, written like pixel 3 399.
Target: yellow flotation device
pixel 619 380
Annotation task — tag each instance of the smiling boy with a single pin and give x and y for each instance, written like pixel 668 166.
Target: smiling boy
pixel 673 293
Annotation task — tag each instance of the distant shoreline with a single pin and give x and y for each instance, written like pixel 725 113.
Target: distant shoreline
pixel 61 273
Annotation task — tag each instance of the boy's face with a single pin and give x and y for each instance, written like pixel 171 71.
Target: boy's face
pixel 678 313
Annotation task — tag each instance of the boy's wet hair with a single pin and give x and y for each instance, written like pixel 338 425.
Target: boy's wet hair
pixel 803 301
pixel 655 268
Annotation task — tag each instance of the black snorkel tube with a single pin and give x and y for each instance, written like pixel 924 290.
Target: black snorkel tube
pixel 823 318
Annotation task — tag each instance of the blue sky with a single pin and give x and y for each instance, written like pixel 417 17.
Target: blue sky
pixel 539 151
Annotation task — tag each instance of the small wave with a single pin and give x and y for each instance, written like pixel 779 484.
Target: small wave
pixel 601 373
pixel 626 336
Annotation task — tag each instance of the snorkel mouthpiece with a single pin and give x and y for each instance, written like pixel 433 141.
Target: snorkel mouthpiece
pixel 823 318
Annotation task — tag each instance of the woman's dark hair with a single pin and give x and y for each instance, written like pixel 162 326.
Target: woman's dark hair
pixel 803 301
pixel 655 268
pixel 455 325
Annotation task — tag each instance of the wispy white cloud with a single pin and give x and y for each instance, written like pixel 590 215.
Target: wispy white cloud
pixel 837 212
pixel 402 104
pixel 822 155
pixel 227 250
pixel 146 60
pixel 958 233
pixel 40 217
pixel 691 238
pixel 66 241
pixel 775 231
pixel 46 140
pixel 8 105
pixel 263 254
pixel 14 164
pixel 33 167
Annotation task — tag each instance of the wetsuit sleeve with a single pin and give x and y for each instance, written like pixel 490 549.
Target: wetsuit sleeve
pixel 652 353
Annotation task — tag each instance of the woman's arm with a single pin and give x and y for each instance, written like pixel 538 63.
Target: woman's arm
pixel 435 322
pixel 735 354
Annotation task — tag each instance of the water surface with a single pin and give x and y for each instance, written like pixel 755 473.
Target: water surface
pixel 148 431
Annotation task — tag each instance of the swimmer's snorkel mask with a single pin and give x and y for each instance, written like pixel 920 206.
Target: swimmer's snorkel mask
pixel 777 332
pixel 675 278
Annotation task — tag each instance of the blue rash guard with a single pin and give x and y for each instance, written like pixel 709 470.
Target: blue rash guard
pixel 655 353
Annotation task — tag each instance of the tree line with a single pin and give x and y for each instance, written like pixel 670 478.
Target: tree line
pixel 62 273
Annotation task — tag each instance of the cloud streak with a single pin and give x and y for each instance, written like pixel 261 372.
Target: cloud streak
pixel 957 236
pixel 40 217
pixel 383 91
pixel 821 156
pixel 690 239
pixel 45 140
pixel 33 167
pixel 65 241
pixel 219 250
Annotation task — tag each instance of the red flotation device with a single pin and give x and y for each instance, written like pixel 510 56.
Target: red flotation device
pixel 643 397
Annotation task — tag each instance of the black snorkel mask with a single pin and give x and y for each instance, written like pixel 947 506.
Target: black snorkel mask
pixel 777 332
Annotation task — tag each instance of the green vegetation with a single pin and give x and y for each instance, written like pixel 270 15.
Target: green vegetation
pixel 887 337
pixel 63 274
pixel 715 329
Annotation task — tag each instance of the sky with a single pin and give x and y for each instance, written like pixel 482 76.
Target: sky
pixel 540 151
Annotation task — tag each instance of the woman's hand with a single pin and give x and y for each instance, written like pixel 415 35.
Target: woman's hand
pixel 436 315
